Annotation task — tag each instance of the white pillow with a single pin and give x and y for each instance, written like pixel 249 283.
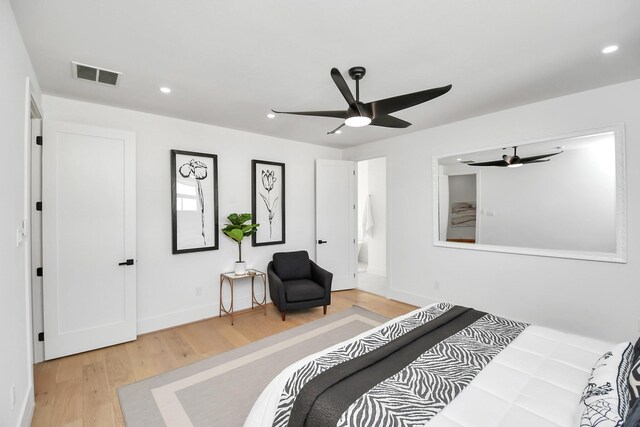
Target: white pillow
pixel 605 400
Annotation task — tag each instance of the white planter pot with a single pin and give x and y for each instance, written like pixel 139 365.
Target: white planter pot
pixel 241 268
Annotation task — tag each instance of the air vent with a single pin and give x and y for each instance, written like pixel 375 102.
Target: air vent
pixel 95 74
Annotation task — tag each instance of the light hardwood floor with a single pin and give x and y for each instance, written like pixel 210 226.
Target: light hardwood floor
pixel 80 390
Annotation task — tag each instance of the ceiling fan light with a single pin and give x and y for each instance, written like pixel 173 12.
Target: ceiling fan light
pixel 514 165
pixel 357 121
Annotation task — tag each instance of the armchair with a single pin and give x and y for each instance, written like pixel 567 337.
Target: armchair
pixel 297 282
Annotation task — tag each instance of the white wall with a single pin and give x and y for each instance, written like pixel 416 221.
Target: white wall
pixel 166 282
pixel 15 321
pixel 592 298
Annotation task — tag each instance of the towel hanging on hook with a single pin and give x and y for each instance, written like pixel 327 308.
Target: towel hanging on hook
pixel 367 220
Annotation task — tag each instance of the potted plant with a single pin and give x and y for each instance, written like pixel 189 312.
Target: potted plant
pixel 238 230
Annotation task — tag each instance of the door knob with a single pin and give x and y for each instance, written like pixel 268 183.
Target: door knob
pixel 321 242
pixel 127 262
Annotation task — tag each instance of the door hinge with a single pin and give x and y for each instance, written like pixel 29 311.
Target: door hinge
pixel 354 206
pixel 354 172
pixel 41 336
pixel 39 271
pixel 354 274
pixel 39 206
pixel 38 140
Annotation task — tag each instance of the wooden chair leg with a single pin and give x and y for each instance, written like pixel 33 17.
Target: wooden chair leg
pixel 324 307
pixel 282 313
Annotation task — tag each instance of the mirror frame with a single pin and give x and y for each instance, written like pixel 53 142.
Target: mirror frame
pixel 619 256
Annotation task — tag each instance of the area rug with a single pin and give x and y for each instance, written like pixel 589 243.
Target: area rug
pixel 220 390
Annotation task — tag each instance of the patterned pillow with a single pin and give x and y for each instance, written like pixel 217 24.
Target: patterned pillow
pixel 636 351
pixel 605 400
pixel 634 382
pixel 633 417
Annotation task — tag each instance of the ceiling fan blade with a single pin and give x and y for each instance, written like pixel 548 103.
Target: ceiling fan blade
pixel 335 130
pixel 526 162
pixel 542 156
pixel 397 103
pixel 344 88
pixel 389 122
pixel 338 114
pixel 500 163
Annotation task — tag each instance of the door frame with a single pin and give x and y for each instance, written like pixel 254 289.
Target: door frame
pixel 388 231
pixel 35 233
pixel 33 110
pixel 478 176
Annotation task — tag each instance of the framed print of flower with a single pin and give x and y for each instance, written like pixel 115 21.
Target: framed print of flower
pixel 267 202
pixel 194 201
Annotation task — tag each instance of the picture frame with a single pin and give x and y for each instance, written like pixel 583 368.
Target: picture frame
pixel 194 202
pixel 268 202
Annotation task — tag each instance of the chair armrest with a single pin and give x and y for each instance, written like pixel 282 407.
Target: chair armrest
pixel 276 287
pixel 321 276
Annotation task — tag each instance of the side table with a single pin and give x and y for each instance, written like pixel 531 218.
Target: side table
pixel 231 278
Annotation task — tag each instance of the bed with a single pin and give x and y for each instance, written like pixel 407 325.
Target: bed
pixel 452 366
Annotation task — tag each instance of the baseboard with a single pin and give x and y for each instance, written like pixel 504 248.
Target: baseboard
pixel 176 318
pixel 409 298
pixel 29 405
pixel 381 291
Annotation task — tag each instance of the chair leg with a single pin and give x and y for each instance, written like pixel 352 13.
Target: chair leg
pixel 324 308
pixel 282 313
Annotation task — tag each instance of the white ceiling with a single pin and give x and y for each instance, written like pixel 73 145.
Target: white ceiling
pixel 230 62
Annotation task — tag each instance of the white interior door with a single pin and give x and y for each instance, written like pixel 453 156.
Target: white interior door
pixel 89 228
pixel 336 238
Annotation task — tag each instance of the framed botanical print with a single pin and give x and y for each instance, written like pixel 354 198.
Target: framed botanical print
pixel 194 201
pixel 267 202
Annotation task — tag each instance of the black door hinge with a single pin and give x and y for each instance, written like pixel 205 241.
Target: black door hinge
pixel 38 140
pixel 39 206
pixel 39 271
pixel 41 336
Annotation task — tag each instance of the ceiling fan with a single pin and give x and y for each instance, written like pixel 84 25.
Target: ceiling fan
pixel 515 160
pixel 376 113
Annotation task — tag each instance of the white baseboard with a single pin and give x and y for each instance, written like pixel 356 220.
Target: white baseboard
pixel 176 318
pixel 29 405
pixel 409 298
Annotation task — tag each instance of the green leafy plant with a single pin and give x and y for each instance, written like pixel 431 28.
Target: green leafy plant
pixel 238 230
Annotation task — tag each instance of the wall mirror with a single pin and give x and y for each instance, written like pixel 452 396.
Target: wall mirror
pixel 561 197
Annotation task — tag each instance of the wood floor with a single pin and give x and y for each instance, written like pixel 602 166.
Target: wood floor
pixel 80 390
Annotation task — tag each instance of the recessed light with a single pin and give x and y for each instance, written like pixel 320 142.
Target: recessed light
pixel 271 115
pixel 459 160
pixel 338 131
pixel 165 89
pixel 610 49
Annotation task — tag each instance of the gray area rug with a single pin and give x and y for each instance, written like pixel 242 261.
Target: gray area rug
pixel 220 390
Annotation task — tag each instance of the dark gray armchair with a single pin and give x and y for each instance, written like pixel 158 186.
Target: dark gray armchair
pixel 297 282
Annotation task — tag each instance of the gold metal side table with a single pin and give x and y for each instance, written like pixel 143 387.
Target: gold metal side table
pixel 232 278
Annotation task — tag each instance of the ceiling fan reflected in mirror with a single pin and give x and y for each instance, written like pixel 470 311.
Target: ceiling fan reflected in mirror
pixel 375 113
pixel 515 161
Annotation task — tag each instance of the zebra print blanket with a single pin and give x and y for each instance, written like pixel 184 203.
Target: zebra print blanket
pixel 400 375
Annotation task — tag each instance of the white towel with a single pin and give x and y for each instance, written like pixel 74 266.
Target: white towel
pixel 367 220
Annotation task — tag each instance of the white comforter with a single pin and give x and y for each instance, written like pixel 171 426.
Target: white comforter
pixel 536 381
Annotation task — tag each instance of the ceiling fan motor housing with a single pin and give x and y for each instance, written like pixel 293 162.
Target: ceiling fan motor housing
pixel 357 73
